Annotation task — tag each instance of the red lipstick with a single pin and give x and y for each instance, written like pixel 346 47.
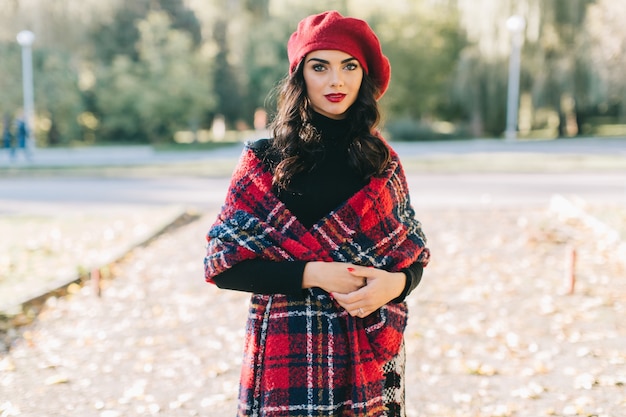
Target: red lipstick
pixel 335 97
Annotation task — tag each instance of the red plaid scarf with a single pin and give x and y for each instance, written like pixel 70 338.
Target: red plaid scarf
pixel 307 356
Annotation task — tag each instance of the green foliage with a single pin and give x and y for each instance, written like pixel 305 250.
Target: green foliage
pixel 142 70
pixel 11 80
pixel 557 59
pixel 480 90
pixel 165 90
pixel 422 57
pixel 409 130
pixel 227 86
pixel 605 42
pixel 57 98
pixel 121 36
pixel 118 37
pixel 267 63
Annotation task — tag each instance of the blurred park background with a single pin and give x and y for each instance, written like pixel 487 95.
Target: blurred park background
pixel 104 311
pixel 183 71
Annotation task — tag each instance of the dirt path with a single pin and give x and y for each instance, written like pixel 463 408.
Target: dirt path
pixel 493 330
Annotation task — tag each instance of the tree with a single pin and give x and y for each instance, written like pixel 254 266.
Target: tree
pixel 559 72
pixel 479 89
pixel 58 98
pixel 164 91
pixel 225 79
pixel 266 55
pixel 60 28
pixel 422 58
pixel 605 43
pixel 11 79
pixel 121 35
pixel 100 63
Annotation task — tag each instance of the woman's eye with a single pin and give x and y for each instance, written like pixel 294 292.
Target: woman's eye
pixel 318 67
pixel 351 66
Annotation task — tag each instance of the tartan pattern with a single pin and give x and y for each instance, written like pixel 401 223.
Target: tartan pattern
pixel 307 356
pixel 394 390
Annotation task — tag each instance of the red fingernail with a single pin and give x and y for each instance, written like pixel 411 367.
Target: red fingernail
pixel 350 269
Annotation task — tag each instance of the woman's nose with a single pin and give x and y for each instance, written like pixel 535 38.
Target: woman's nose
pixel 336 78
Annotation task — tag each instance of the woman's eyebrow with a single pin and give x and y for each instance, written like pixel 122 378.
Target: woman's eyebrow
pixel 323 61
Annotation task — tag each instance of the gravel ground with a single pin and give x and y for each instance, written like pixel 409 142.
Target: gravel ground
pixel 495 329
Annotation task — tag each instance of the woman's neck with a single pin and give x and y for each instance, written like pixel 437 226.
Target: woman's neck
pixel 331 129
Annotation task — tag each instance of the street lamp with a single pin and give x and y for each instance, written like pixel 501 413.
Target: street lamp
pixel 26 38
pixel 515 24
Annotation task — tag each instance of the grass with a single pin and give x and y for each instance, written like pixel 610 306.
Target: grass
pixel 514 162
pixel 213 168
pixel 190 147
pixel 442 163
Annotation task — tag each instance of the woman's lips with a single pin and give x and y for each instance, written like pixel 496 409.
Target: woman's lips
pixel 335 97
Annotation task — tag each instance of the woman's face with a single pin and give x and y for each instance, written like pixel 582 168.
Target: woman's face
pixel 332 79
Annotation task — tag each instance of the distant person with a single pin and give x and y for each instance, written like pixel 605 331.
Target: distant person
pixel 21 134
pixel 318 226
pixel 7 136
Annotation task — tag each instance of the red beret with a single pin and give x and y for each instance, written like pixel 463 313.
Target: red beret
pixel 330 30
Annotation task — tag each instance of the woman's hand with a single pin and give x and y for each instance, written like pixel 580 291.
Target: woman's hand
pixel 381 288
pixel 332 277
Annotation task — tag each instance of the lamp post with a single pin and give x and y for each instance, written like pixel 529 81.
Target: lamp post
pixel 26 38
pixel 515 24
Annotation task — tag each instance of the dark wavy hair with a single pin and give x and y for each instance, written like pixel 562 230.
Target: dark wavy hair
pixel 296 143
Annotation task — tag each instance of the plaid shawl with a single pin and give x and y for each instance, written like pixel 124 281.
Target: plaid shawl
pixel 306 356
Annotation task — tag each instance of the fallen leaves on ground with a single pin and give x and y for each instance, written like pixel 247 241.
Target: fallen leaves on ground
pixel 493 332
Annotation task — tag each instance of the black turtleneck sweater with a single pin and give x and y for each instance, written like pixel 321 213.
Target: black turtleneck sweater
pixel 311 196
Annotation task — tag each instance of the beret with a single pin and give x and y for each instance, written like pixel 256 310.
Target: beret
pixel 332 31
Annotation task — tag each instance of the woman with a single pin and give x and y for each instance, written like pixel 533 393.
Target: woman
pixel 318 226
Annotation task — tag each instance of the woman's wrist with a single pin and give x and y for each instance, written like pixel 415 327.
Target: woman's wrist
pixel 308 276
pixel 404 289
pixel 400 279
